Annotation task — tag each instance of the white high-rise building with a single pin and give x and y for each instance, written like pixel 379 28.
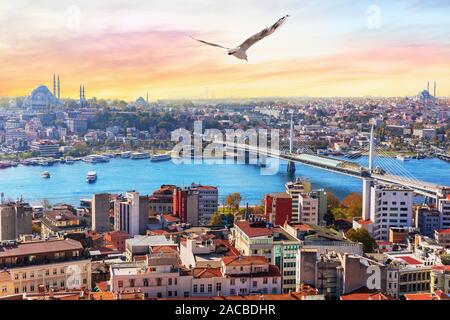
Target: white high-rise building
pixel 131 214
pixel 390 206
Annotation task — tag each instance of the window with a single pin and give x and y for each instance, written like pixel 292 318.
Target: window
pixel 209 287
pixel 233 282
pixel 202 288
pixel 195 288
pixel 132 283
pixel 159 295
pixel 120 284
pixel 145 282
pixel 265 281
pixel 186 294
pixel 170 281
pixel 218 287
pixel 274 280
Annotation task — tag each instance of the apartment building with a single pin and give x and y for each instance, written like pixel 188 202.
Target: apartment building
pixel 390 207
pixel 278 208
pixel 131 213
pixel 274 243
pixel 308 206
pixel 60 222
pixel 15 220
pixel 195 204
pixel 162 276
pixel 294 189
pixel 161 200
pixel 100 212
pixel 427 220
pixel 442 237
pixel 57 264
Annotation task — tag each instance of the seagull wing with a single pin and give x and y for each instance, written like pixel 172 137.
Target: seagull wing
pixel 264 33
pixel 210 44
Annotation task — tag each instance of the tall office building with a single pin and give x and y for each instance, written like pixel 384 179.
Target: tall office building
pixel 294 189
pixel 390 207
pixel 15 220
pixel 100 212
pixel 131 213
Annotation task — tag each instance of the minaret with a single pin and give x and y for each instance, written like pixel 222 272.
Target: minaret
pixel 147 97
pixel 54 85
pixel 428 86
pixel 84 94
pixel 434 89
pixel 81 96
pixel 59 88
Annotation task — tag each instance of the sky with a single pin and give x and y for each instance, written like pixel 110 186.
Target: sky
pixel 124 49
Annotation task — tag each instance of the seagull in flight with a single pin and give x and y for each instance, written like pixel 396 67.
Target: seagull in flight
pixel 240 52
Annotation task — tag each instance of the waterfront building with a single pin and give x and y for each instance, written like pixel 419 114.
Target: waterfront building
pixel 15 220
pixel 131 213
pixel 294 188
pixel 195 204
pixel 274 243
pixel 100 212
pixel 278 208
pixel 427 220
pixel 46 148
pixel 139 246
pixel 52 264
pixel 390 206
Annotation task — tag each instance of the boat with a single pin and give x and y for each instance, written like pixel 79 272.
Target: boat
pixel 69 160
pixel 45 175
pixel 125 155
pixel 91 177
pixel 402 157
pixel 95 159
pixel 160 157
pixel 139 156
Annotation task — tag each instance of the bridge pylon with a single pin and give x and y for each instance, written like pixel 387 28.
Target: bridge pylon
pixel 291 168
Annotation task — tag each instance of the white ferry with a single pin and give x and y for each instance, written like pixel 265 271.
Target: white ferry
pixel 91 177
pixel 160 157
pixel 139 156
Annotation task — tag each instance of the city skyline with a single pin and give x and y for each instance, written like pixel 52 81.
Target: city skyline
pixel 123 50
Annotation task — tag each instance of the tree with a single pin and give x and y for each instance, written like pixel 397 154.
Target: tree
pixel 445 259
pixel 46 204
pixel 216 220
pixel 233 201
pixel 332 201
pixel 363 236
pixel 352 205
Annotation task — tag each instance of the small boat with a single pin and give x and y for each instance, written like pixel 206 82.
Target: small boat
pixel 69 160
pixel 45 175
pixel 125 155
pixel 160 157
pixel 139 156
pixel 402 157
pixel 91 177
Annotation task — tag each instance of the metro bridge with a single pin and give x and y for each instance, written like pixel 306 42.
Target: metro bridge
pixel 393 174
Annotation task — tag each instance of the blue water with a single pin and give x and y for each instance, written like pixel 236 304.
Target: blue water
pixel 67 183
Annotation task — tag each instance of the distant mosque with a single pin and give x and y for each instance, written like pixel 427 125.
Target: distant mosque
pixel 41 99
pixel 425 95
pixel 141 102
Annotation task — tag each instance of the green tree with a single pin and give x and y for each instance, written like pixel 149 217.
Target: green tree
pixel 332 201
pixel 361 235
pixel 445 259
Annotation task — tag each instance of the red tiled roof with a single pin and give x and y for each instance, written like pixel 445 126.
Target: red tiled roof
pixel 420 296
pixel 207 272
pixel 164 249
pixel 233 252
pixel 365 294
pixel 364 222
pixel 169 218
pixel 301 227
pixel 410 260
pixel 443 231
pixel 253 231
pixel 33 248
